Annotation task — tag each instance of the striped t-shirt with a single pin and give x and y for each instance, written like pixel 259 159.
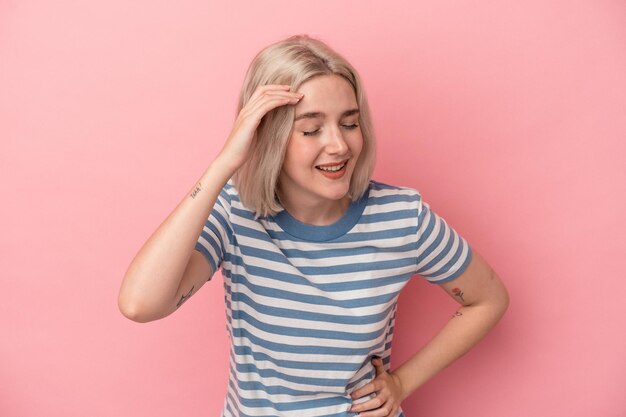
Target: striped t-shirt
pixel 308 306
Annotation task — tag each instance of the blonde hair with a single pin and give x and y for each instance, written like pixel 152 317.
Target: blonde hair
pixel 294 61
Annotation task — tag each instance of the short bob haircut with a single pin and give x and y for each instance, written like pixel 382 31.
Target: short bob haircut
pixel 294 61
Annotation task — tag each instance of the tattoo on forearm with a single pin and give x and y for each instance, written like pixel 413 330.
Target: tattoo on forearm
pixel 458 293
pixel 196 190
pixel 457 314
pixel 184 298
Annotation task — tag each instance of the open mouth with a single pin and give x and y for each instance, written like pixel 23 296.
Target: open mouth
pixel 332 168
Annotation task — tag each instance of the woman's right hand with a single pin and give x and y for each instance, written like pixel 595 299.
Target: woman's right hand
pixel 264 99
pixel 166 271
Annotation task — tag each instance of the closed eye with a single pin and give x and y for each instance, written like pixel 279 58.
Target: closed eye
pixel 316 131
pixel 311 132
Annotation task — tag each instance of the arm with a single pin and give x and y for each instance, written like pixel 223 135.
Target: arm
pixel 167 270
pixel 483 300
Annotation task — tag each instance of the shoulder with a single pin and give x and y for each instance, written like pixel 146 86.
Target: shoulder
pixel 229 194
pixel 382 193
pixel 229 199
pixel 229 189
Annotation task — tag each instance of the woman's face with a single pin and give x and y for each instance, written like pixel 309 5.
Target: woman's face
pixel 325 143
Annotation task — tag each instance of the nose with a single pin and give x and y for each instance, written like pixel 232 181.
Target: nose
pixel 335 143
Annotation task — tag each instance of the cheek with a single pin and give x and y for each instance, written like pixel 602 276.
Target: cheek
pixel 301 151
pixel 357 145
pixel 298 154
pixel 292 150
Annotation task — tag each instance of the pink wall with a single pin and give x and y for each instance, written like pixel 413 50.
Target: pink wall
pixel 509 117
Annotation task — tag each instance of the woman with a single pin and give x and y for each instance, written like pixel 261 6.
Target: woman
pixel 313 253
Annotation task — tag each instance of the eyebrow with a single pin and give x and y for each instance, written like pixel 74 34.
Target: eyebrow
pixel 317 114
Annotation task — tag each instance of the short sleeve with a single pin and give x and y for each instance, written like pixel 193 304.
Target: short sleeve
pixel 216 233
pixel 442 254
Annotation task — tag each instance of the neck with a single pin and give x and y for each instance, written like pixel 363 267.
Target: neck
pixel 316 213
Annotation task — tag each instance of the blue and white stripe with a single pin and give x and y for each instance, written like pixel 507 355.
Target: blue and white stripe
pixel 309 306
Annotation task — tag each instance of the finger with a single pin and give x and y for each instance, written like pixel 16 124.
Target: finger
pixel 269 87
pixel 379 412
pixel 268 101
pixel 378 365
pixel 372 404
pixel 366 389
pixel 261 108
pixel 250 116
pixel 270 94
pixel 265 91
pixel 385 411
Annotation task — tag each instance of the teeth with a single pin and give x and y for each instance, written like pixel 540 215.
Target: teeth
pixel 332 168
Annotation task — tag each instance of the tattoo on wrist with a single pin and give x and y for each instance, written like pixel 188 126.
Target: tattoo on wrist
pixel 196 190
pixel 458 293
pixel 457 314
pixel 184 298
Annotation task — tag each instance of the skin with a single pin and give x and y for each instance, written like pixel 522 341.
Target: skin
pixel 329 134
pixel 326 131
pixel 485 301
pixel 167 270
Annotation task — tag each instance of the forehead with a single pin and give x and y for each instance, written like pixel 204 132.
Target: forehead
pixel 330 94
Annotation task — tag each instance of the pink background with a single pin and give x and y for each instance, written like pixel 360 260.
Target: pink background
pixel 508 116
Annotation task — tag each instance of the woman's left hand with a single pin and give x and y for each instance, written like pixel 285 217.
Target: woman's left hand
pixel 388 389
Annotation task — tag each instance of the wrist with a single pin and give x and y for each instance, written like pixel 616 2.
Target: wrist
pixel 401 386
pixel 225 164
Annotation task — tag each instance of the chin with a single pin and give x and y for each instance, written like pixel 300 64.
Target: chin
pixel 338 194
